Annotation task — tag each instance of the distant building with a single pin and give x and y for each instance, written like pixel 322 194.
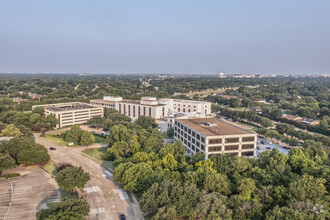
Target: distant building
pixel 222 75
pixel 309 121
pixel 35 96
pixel 292 117
pixel 150 106
pixel 18 99
pixel 72 112
pixel 212 136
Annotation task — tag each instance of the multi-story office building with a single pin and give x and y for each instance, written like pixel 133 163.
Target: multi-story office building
pixel 72 112
pixel 212 136
pixel 149 106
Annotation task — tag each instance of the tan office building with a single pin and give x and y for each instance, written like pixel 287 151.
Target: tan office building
pixel 72 112
pixel 212 136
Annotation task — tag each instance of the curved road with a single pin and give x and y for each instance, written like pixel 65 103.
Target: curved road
pixel 107 200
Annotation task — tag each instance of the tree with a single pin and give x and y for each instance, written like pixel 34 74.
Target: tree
pixel 74 134
pixel 212 206
pixel 68 209
pixel 118 133
pixel 71 178
pixel 39 110
pixel 118 149
pixel 217 183
pixel 265 122
pixel 135 177
pixel 308 188
pixel 11 131
pixel 324 124
pixel 166 213
pixel 86 138
pixel 170 132
pixel 246 187
pixel 27 151
pixel 6 162
pixel 146 122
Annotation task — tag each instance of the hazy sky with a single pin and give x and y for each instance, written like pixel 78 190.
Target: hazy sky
pixel 181 36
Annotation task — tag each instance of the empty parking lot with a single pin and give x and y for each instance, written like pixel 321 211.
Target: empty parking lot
pixel 31 192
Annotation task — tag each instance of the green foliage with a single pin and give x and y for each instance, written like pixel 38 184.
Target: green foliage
pixel 74 134
pixel 69 209
pixel 170 132
pixel 6 162
pixel 146 122
pixel 10 131
pixel 118 133
pixel 86 138
pixel 71 178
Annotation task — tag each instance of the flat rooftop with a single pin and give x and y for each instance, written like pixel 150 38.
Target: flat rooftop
pixel 68 107
pixel 217 128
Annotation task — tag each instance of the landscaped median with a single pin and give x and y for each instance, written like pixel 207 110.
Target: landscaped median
pixel 61 138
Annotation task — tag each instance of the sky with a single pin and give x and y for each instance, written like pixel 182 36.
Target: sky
pixel 153 36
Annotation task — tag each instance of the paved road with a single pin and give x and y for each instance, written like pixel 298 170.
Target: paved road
pixel 31 192
pixel 107 199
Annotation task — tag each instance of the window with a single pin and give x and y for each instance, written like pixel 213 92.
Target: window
pixel 193 140
pixel 247 139
pixel 185 129
pixel 120 107
pixel 202 139
pixel 144 110
pixel 211 149
pixel 202 147
pixel 149 111
pixel 231 140
pixel 193 134
pixel 248 153
pixel 198 136
pixel 231 147
pixel 215 141
pixel 129 110
pixel 189 138
pixel 189 131
pixel 248 146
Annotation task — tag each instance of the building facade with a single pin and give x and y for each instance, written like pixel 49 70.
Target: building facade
pixel 150 106
pixel 212 136
pixel 72 112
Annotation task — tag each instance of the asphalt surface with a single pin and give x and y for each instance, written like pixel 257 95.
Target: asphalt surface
pixel 28 193
pixel 107 199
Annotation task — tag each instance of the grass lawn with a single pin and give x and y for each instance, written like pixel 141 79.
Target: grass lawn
pixel 58 140
pixel 67 195
pixel 51 168
pixel 99 139
pixel 251 127
pixel 100 154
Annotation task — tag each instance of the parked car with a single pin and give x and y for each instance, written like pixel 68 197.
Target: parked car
pixel 122 217
pixel 52 148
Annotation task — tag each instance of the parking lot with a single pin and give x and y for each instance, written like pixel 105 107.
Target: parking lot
pixel 31 192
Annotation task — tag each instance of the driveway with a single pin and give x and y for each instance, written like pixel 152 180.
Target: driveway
pixel 31 192
pixel 107 199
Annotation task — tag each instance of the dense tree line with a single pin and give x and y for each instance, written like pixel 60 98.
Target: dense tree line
pixel 171 185
pixel 21 151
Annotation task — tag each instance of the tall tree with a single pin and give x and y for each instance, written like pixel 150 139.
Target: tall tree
pixel 71 178
pixel 6 162
pixel 74 134
pixel 86 138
